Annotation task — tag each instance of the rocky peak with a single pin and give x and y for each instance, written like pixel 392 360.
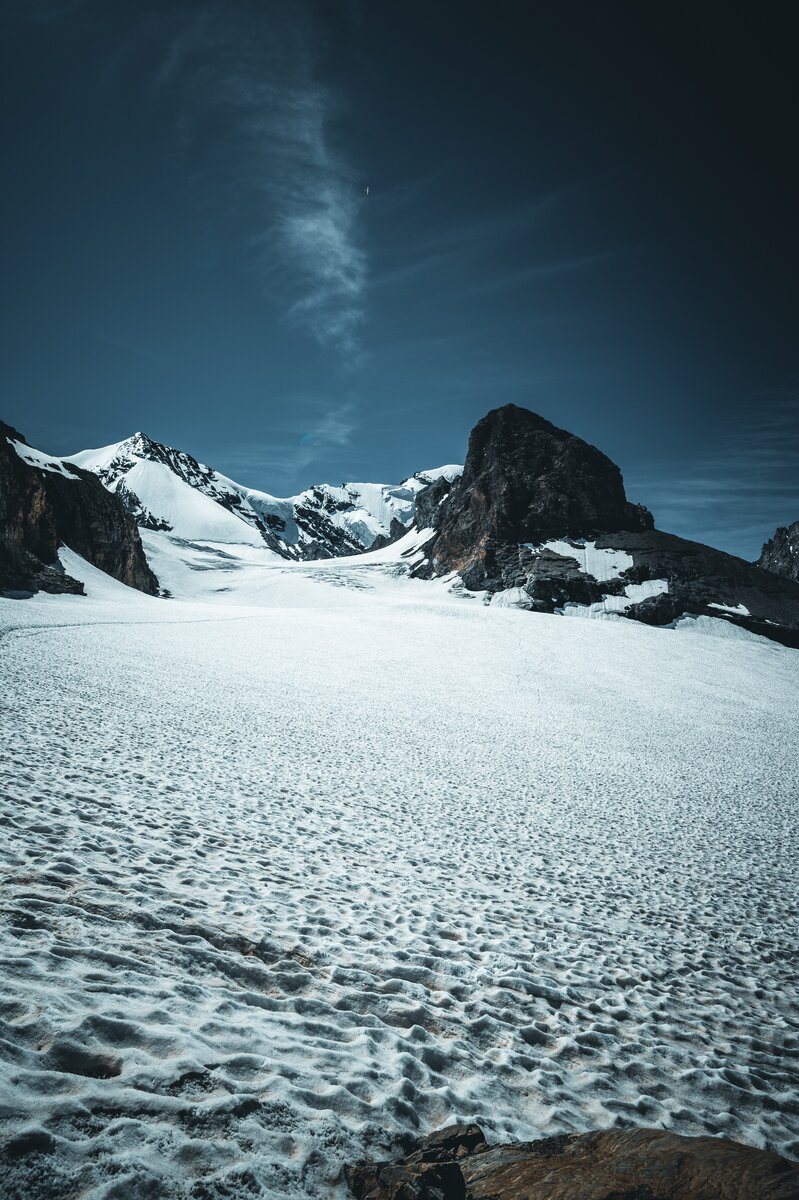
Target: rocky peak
pixel 140 446
pixel 781 553
pixel 143 445
pixel 539 520
pixel 526 480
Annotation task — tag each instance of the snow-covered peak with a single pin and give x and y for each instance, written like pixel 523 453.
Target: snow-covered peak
pixel 450 472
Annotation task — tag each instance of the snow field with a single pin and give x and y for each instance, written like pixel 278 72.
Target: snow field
pixel 337 858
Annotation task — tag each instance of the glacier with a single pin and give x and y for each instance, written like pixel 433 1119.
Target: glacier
pixel 317 855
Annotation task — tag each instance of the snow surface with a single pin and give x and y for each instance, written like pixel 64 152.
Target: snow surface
pixel 330 856
pixel 739 610
pixel 716 627
pixel 450 472
pixel 515 597
pixel 45 462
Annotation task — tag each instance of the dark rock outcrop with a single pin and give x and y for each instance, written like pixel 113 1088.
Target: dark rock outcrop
pixel 396 530
pixel 526 480
pixel 781 553
pixel 430 503
pixel 638 1164
pixel 526 483
pixel 42 509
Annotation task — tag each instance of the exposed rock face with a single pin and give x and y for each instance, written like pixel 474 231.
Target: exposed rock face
pixel 526 480
pixel 535 505
pixel 430 503
pixel 456 1163
pixel 396 530
pixel 45 504
pixel 781 553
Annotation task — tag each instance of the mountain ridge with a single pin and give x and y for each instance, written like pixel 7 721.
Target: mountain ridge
pixel 323 521
pixel 537 519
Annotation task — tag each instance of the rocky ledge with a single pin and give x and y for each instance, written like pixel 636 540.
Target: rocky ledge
pixel 45 504
pixel 456 1163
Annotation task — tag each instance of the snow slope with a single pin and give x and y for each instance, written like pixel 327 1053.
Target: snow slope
pixel 295 869
pixel 45 462
pixel 168 490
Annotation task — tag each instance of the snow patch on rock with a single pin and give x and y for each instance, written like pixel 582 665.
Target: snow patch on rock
pixel 603 564
pixel 616 606
pixel 45 462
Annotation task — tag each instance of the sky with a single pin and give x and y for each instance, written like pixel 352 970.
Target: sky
pixel 315 241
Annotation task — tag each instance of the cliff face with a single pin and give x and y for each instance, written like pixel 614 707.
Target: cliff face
pixel 781 553
pixel 45 504
pixel 526 480
pixel 540 520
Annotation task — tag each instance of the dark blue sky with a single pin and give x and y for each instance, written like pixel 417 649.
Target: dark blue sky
pixel 590 211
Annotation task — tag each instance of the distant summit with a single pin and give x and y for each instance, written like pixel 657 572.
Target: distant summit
pixel 781 553
pixel 167 490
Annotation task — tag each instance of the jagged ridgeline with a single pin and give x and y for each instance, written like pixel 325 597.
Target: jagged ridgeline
pixel 780 554
pixel 168 490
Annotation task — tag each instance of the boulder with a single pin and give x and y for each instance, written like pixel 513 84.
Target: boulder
pixel 632 1164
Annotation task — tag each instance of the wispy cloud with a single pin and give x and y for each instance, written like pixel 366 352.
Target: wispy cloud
pixel 314 433
pixel 734 493
pixel 463 241
pixel 274 158
pixel 521 276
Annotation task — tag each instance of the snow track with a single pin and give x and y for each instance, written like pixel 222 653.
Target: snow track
pixel 280 884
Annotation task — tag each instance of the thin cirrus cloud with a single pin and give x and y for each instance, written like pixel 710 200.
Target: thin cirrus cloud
pixel 274 159
pixel 323 433
pixel 737 491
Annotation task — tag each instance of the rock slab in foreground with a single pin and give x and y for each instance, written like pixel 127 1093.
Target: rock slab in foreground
pixel 456 1163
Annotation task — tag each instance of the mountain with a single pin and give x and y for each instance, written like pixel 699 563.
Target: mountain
pixel 46 503
pixel 781 553
pixel 168 490
pixel 539 519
